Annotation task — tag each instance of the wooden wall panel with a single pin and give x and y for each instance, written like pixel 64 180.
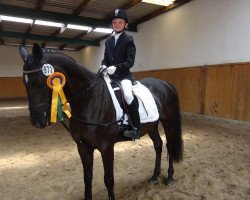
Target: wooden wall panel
pixel 218 90
pixel 12 87
pixel 188 82
pixel 227 91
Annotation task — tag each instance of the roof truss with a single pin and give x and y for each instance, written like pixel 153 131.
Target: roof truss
pixel 74 18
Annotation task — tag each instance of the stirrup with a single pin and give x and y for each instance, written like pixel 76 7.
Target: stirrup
pixel 134 134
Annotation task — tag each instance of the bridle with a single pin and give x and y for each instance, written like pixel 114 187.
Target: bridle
pixel 32 71
pixel 36 108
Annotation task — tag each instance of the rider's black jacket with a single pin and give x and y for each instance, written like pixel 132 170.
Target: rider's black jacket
pixel 121 55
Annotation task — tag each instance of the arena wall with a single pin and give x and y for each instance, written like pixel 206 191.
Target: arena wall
pixel 217 90
pixel 11 66
pixel 198 33
pixel 201 48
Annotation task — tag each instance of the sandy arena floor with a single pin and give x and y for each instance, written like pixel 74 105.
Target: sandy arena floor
pixel 44 164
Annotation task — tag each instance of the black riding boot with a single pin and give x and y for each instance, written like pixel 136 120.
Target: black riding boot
pixel 135 118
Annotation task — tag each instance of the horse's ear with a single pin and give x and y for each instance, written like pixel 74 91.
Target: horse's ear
pixel 23 52
pixel 37 51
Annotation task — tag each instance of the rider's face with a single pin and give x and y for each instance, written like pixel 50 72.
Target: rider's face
pixel 118 24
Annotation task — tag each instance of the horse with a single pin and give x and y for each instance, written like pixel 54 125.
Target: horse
pixel 93 123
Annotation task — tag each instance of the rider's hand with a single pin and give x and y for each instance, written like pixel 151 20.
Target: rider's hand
pixel 102 70
pixel 111 70
pixel 103 67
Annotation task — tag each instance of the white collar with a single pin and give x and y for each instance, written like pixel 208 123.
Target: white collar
pixel 117 35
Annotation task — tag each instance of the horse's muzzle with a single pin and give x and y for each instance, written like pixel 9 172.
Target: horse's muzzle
pixel 39 121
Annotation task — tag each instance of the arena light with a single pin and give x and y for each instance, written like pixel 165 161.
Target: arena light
pixel 103 30
pixel 48 23
pixel 159 2
pixel 13 107
pixel 16 19
pixel 78 27
pixel 68 49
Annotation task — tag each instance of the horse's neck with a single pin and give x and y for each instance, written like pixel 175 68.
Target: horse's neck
pixel 88 96
pixel 78 78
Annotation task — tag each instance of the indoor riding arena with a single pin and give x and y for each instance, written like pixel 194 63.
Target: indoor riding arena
pixel 200 47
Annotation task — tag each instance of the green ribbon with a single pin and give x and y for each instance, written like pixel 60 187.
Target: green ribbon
pixel 59 109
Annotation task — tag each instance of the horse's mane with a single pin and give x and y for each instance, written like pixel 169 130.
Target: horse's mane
pixel 46 50
pixel 77 66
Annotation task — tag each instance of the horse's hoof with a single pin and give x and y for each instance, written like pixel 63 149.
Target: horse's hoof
pixel 153 181
pixel 169 181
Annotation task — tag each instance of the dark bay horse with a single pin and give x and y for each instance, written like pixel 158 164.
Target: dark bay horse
pixel 90 101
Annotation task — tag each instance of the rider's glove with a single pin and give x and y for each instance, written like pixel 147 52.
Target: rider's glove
pixel 111 70
pixel 102 70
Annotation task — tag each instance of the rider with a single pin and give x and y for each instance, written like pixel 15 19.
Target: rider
pixel 119 57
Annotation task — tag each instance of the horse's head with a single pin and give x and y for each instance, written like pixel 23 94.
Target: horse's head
pixel 39 94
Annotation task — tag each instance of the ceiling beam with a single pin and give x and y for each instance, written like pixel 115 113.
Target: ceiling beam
pixel 160 11
pixel 77 11
pixel 62 46
pixel 81 7
pixel 40 4
pixel 80 47
pixel 59 30
pixel 9 34
pixel 29 29
pixel 80 36
pixel 57 17
pixel 130 4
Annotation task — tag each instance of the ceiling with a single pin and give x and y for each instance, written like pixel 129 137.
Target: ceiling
pixel 93 13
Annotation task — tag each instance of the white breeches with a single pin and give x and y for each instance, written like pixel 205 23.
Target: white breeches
pixel 127 89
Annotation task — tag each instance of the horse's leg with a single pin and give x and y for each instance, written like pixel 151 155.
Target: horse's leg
pixel 107 152
pixel 173 133
pixel 86 153
pixel 170 147
pixel 155 137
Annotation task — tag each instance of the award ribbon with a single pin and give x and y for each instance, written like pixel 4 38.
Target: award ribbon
pixel 56 81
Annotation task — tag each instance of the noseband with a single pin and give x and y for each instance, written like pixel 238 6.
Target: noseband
pixel 36 108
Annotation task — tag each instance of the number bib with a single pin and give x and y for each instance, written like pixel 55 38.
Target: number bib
pixel 48 69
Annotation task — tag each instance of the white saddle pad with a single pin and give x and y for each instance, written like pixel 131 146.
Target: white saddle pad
pixel 147 107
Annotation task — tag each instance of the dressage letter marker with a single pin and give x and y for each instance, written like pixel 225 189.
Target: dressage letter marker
pixel 56 81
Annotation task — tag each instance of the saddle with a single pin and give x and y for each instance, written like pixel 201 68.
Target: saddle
pixel 147 107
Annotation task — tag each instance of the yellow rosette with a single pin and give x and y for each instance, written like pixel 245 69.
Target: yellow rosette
pixel 56 81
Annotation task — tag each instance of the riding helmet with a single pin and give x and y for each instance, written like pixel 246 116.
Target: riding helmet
pixel 119 13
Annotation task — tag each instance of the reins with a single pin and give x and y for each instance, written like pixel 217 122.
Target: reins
pixel 93 123
pixel 88 122
pixel 84 91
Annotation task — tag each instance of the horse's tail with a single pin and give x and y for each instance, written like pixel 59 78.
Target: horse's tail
pixel 176 138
